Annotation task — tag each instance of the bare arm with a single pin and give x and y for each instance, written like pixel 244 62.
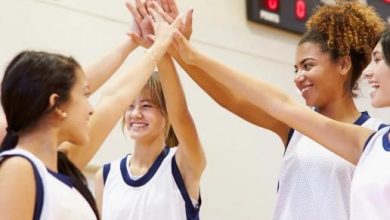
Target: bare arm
pixel 237 102
pixel 343 139
pixel 106 66
pixel 190 156
pixel 99 188
pixel 17 189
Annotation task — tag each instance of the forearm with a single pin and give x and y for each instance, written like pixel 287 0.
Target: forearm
pixel 107 65
pixel 237 102
pixel 173 90
pixel 190 148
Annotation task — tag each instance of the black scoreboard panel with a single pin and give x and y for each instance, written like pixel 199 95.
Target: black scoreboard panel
pixel 291 15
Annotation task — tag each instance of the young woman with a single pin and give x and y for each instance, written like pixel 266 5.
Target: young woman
pixel 161 178
pixel 314 182
pixel 45 101
pixel 370 196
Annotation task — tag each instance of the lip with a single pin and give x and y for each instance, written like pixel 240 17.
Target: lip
pixel 138 124
pixel 305 88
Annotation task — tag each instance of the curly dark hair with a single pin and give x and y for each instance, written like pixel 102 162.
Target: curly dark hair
pixel 347 28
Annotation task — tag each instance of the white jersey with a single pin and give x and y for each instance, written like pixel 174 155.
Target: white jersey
pixel 370 191
pixel 159 194
pixel 56 198
pixel 314 182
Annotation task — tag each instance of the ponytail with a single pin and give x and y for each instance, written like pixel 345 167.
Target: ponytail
pixel 66 167
pixel 10 140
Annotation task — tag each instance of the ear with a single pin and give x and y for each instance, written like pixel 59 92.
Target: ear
pixel 345 65
pixel 53 100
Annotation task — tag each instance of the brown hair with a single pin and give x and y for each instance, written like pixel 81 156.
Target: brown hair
pixel 154 88
pixel 348 28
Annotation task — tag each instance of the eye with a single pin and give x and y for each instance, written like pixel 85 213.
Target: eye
pixel 131 107
pixel 307 66
pixel 377 60
pixel 147 106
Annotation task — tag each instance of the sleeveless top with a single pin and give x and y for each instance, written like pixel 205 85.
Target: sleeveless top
pixel 314 182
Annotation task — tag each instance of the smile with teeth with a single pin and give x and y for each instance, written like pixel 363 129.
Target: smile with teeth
pixel 138 124
pixel 306 88
pixel 374 85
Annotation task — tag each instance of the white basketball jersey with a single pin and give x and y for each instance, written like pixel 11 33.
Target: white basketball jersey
pixel 314 182
pixel 56 198
pixel 160 194
pixel 370 191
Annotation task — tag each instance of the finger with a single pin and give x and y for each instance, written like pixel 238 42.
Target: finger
pixel 138 39
pixel 173 7
pixel 167 17
pixel 165 6
pixel 151 37
pixel 141 8
pixel 155 12
pixel 134 12
pixel 178 22
pixel 188 21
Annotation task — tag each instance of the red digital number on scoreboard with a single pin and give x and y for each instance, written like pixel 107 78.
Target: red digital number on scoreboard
pixel 271 5
pixel 300 9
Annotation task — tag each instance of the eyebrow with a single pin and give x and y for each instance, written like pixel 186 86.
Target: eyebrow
pixel 376 52
pixel 303 61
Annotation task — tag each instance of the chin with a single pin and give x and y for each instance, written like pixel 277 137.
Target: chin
pixel 80 140
pixel 377 104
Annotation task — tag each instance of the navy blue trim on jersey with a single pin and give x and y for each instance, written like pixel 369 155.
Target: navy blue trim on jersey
pixel 386 142
pixel 148 175
pixel 364 116
pixel 106 170
pixel 382 126
pixel 290 134
pixel 62 177
pixel 38 186
pixel 192 212
pixel 368 140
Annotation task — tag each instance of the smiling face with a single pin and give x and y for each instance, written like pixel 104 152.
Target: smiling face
pixel 317 75
pixel 144 120
pixel 78 111
pixel 378 75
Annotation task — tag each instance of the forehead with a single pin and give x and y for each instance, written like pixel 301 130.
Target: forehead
pixel 308 50
pixel 378 48
pixel 81 79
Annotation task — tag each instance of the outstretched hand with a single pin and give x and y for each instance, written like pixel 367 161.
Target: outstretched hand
pixel 170 12
pixel 163 31
pixel 142 22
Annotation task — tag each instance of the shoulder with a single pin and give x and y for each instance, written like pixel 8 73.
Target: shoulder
pixel 17 172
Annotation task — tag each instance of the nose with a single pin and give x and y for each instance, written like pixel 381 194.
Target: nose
pixel 299 77
pixel 367 72
pixel 136 112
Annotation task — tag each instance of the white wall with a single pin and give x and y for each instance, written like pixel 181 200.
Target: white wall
pixel 243 160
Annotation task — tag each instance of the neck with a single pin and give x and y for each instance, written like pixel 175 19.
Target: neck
pixel 146 152
pixel 42 142
pixel 342 109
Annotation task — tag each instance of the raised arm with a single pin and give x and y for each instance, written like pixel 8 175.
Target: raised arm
pixel 107 65
pixel 190 156
pixel 344 139
pixel 236 103
pixel 120 92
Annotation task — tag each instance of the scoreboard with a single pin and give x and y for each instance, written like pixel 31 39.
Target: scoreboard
pixel 291 15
